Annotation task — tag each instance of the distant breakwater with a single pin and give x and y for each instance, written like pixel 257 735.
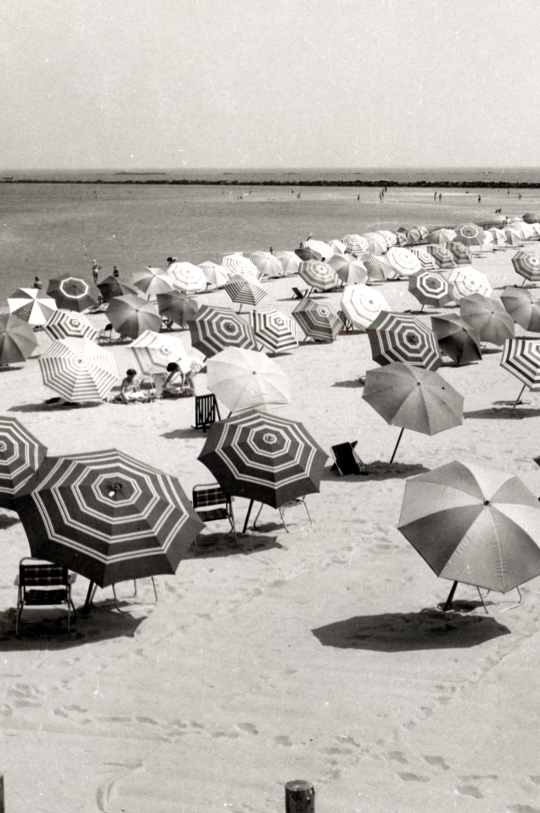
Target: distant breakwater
pixel 303 183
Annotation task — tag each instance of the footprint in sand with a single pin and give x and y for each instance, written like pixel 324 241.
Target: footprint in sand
pixel 248 728
pixel 437 762
pixel 413 777
pixel 470 790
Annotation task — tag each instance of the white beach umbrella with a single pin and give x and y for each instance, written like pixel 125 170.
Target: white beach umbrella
pixel 403 261
pixel 266 263
pixel 377 243
pixel 188 278
pixel 337 246
pixel 238 264
pixel 244 379
pixel 465 281
pixel 361 305
pixel 322 248
pixel 153 350
pixel 388 236
pixel 215 274
pixel 290 262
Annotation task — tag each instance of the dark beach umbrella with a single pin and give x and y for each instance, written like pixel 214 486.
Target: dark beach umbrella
pixel 488 317
pixel 413 398
pixel 17 339
pixel 456 339
pixel 305 253
pixel 111 287
pixel 213 329
pixel 177 307
pixel 401 337
pixel 473 525
pixel 461 254
pixel 430 288
pixel 107 516
pixel 319 322
pixel 130 315
pixel 71 293
pixel 527 265
pixel 519 304
pixel 529 217
pixel 21 455
pixel 521 357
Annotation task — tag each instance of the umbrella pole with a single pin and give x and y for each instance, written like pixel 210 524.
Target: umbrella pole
pixel 448 604
pixel 247 516
pixel 396 446
pixel 518 399
pixel 89 596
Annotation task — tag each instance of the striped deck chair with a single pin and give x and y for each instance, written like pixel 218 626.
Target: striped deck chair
pixel 211 504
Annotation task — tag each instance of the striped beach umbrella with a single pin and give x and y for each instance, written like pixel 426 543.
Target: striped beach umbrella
pixel 441 236
pixel 378 269
pixel 456 339
pixel 215 274
pixel 488 317
pixel 521 357
pixel 442 255
pixel 152 350
pixel 263 457
pixel 290 262
pixel 318 321
pixel 131 315
pixel 244 379
pixel 414 236
pixel 31 306
pixel 461 253
pixel 65 324
pixel 188 278
pixel 78 369
pixel 17 339
pixel 108 517
pixel 213 329
pixel 111 287
pixel 427 260
pixel 274 330
pixel 527 266
pixel 153 281
pixel 267 264
pixel 466 280
pixel 388 236
pixel 349 269
pixel 470 234
pixel 403 261
pixel 244 291
pixel 21 455
pixel 237 264
pixel 430 288
pixel 519 304
pixel 361 305
pixel 177 307
pixel 319 275
pixel 402 337
pixel 355 243
pixel 71 293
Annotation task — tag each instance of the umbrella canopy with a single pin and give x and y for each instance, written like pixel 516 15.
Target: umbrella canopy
pixel 323 249
pixel 318 275
pixel 487 316
pixel 361 305
pixel 244 290
pixel 527 265
pixel 355 243
pixel 496 236
pixel 414 236
pixel 154 282
pixel 108 517
pixel 78 369
pixel 388 236
pixel 238 264
pixel 290 262
pixel 466 280
pixel 267 264
pixel 130 315
pixel 17 339
pixel 378 269
pixel 403 261
pixel 188 278
pixel 524 230
pixel 519 304
pixel 442 255
pixel 441 236
pixel 470 234
pixel 263 457
pixel 244 379
pixel 215 274
pixel 305 253
pixel 430 288
pixel 401 337
pixel 319 322
pixel 112 287
pixel 427 260
pixel 21 455
pixel 177 307
pixel 274 330
pixel 156 350
pixel 376 243
pixel 71 293
pixel 512 237
pixel 213 329
pixel 473 525
pixel 64 324
pixel 456 338
pixel 461 253
pixel 529 217
pixel 521 357
pixel 349 269
pixel 31 306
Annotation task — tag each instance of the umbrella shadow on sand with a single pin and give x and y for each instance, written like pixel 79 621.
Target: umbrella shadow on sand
pixel 355 383
pixel 504 411
pixel 44 407
pixel 379 470
pixel 180 434
pixel 404 632
pixel 211 545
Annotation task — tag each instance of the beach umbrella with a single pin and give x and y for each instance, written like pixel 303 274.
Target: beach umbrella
pixel 305 253
pixel 264 457
pixel 188 278
pixel 466 280
pixel 213 329
pixel 414 236
pixel 402 337
pixel 496 236
pixel 323 249
pixel 319 322
pixel 237 264
pixel 441 235
pixel 521 357
pixel 215 274
pixel 461 253
pixel 413 398
pixel 427 260
pixel 470 234
pixel 488 317
pixel 355 243
pixel 274 330
pixel 130 315
pixel 442 255
pixel 337 247
pixel 177 307
pixel 518 302
pixel 376 243
pixel 529 217
pixel 318 274
pixel 244 290
pixel 349 269
pixel 21 455
pixel 401 237
pixel 111 287
pixel 403 261
pixel 267 264
pixel 78 369
pixel 378 269
pixel 527 265
pixel 154 282
pixel 361 305
pixel 524 230
pixel 71 293
pixel 456 338
pixel 474 525
pixel 31 306
pixel 244 379
pixel 430 288
pixel 388 236
pixel 65 324
pixel 512 237
pixel 108 517
pixel 289 260
pixel 152 350
pixel 17 339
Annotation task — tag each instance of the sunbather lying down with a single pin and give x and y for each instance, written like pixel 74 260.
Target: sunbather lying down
pixel 181 379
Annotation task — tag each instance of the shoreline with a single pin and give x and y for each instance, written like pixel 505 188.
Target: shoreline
pixel 318 183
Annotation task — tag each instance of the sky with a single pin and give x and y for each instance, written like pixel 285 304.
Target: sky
pixel 191 84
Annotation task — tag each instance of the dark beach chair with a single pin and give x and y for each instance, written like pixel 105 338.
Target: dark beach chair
pixel 105 335
pixel 206 409
pixel 211 503
pixel 42 583
pixel 347 324
pixel 346 460
pixel 299 294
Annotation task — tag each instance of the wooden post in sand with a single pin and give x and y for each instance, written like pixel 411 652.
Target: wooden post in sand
pixel 1 793
pixel 299 797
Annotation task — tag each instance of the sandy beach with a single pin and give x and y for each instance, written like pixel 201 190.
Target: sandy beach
pixel 315 654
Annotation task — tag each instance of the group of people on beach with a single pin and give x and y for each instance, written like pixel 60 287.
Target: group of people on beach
pixel 178 383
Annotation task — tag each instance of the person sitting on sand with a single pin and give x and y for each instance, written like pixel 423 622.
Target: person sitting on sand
pixel 130 391
pixel 181 380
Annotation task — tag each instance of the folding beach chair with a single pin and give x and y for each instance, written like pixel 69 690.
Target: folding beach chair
pixel 206 409
pixel 299 294
pixel 346 460
pixel 105 335
pixel 282 508
pixel 42 583
pixel 211 503
pixel 347 324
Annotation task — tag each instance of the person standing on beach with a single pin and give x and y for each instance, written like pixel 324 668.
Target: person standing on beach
pixel 115 272
pixel 37 283
pixel 95 272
